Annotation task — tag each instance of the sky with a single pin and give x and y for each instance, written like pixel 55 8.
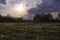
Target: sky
pixel 6 6
pixel 35 6
pixel 47 6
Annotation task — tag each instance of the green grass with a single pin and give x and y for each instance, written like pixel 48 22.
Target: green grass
pixel 30 31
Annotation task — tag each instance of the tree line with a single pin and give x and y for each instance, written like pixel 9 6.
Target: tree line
pixel 8 18
pixel 46 18
pixel 37 18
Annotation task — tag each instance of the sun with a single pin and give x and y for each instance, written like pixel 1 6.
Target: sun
pixel 19 8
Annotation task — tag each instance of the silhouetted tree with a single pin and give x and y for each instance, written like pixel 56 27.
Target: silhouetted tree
pixel 43 17
pixel 0 18
pixel 58 18
pixel 46 17
pixel 37 18
pixel 49 17
pixel 8 18
pixel 19 19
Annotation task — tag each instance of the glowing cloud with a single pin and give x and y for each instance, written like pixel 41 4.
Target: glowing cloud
pixel 21 9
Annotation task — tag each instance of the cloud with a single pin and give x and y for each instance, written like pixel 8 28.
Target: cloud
pixel 46 6
pixel 12 2
pixel 11 9
pixel 3 1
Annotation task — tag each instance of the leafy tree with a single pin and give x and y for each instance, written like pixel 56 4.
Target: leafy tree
pixel 59 15
pixel 19 19
pixel 43 17
pixel 58 18
pixel 0 15
pixel 37 18
pixel 49 17
pixel 0 18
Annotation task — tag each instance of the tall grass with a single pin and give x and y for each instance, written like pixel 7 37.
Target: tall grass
pixel 29 31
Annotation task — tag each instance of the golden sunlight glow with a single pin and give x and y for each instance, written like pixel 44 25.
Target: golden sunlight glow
pixel 19 8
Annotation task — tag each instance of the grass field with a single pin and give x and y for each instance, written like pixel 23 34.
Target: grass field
pixel 30 31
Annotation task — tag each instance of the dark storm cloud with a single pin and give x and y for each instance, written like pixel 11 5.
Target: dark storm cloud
pixel 56 1
pixel 3 1
pixel 46 6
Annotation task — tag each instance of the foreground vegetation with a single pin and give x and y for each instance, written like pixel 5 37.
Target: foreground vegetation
pixel 29 31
